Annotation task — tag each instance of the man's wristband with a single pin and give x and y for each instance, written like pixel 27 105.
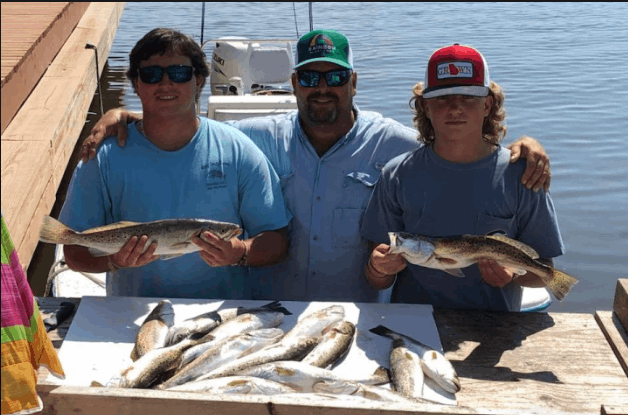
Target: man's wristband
pixel 243 261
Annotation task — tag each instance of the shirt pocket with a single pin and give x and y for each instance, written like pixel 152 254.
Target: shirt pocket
pixel 357 187
pixel 489 224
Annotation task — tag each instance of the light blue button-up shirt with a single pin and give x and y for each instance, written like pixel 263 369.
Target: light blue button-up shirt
pixel 327 196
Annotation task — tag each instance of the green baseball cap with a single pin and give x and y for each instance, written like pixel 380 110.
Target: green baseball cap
pixel 326 46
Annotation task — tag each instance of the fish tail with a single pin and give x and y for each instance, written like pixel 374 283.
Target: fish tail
pixel 54 232
pixel 560 284
pixel 382 331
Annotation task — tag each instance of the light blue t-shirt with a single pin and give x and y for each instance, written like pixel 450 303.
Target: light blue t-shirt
pixel 220 174
pixel 326 196
pixel 421 193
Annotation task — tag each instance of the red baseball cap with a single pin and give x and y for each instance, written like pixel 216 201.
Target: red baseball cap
pixel 456 70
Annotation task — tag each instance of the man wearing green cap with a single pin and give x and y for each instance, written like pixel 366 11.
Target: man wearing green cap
pixel 329 156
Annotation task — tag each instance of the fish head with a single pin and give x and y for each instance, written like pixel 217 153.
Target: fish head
pixel 415 249
pixel 223 230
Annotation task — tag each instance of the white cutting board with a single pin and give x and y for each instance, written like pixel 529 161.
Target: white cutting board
pixel 99 342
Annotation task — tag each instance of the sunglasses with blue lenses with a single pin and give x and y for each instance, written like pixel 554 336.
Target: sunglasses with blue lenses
pixel 179 74
pixel 337 77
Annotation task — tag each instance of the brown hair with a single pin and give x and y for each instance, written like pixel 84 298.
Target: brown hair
pixel 160 41
pixel 493 129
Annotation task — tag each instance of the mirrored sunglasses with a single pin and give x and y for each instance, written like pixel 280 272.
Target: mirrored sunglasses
pixel 177 73
pixel 333 78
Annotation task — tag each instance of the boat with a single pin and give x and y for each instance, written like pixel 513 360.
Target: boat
pixel 248 78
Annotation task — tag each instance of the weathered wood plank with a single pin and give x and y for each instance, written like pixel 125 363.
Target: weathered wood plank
pixel 550 362
pixel 614 410
pixel 51 34
pixel 103 401
pixel 53 117
pixel 620 302
pixel 26 169
pixel 616 336
pixel 31 236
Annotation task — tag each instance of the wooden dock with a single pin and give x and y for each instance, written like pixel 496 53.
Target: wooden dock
pixel 48 83
pixel 508 363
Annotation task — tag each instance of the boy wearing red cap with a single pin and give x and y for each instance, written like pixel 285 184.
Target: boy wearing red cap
pixel 460 182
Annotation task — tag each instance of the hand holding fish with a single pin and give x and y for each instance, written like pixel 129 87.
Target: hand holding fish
pixel 132 254
pixel 494 274
pixel 382 266
pixel 219 253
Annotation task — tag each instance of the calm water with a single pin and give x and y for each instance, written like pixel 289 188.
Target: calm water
pixel 562 65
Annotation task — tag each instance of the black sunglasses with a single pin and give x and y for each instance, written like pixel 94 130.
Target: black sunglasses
pixel 179 74
pixel 337 77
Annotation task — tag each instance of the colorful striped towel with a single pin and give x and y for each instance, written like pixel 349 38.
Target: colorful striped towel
pixel 25 344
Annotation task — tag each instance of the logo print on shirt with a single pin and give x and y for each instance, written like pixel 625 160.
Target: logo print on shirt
pixel 216 178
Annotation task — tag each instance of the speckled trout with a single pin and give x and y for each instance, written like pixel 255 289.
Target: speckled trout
pixel 406 353
pixel 153 332
pixel 451 254
pixel 173 236
pixel 333 346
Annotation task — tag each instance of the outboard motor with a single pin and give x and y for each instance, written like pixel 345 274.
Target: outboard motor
pixel 227 63
pixel 240 65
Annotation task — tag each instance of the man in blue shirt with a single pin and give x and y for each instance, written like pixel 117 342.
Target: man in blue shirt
pixel 177 165
pixel 329 156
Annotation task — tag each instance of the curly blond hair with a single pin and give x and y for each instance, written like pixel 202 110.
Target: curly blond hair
pixel 493 129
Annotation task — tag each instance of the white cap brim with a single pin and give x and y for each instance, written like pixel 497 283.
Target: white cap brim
pixel 470 90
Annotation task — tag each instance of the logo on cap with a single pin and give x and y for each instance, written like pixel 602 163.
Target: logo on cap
pixel 321 43
pixel 454 70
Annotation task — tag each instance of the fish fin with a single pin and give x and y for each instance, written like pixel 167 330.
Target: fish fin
pixel 95 384
pixel 283 310
pixel 560 284
pixel 529 251
pixel 381 376
pixel 272 304
pixel 169 256
pixel 112 226
pixel 382 331
pixel 54 232
pixel 95 252
pixel 180 245
pixel 516 271
pixel 456 272
pixel 336 387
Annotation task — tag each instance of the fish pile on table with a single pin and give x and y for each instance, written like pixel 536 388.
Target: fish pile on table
pixel 242 351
